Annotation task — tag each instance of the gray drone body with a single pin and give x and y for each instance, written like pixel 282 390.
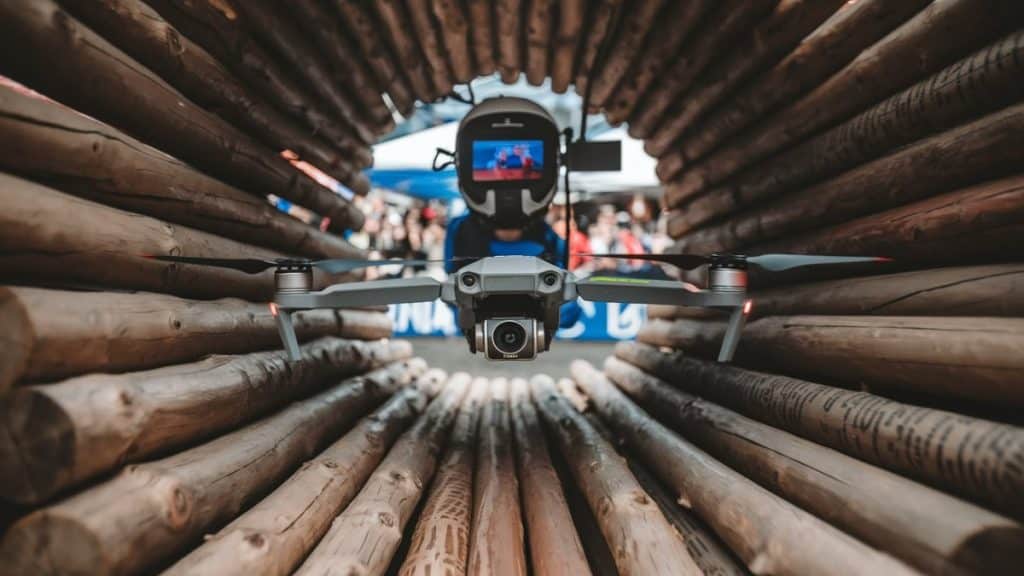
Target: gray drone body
pixel 508 306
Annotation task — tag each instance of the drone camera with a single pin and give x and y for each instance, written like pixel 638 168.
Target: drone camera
pixel 510 338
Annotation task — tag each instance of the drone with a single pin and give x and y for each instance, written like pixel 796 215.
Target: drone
pixel 508 306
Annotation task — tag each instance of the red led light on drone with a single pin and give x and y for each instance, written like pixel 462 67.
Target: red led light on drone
pixel 273 309
pixel 747 307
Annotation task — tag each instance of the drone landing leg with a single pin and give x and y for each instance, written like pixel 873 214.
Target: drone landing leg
pixel 287 332
pixel 732 334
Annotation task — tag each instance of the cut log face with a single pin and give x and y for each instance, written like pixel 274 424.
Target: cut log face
pixel 363 539
pixel 978 459
pixel 440 543
pixel 935 532
pixel 774 536
pixel 555 546
pixel 640 539
pixel 166 505
pixel 497 539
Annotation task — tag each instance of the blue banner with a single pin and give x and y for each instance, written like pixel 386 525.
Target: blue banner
pixel 598 321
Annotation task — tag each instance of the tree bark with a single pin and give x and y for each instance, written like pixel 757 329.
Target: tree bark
pixel 924 45
pixel 319 21
pixel 273 537
pixel 603 16
pixel 221 34
pixel 432 45
pixel 496 540
pixel 52 144
pixel 363 539
pixel 358 22
pixel 571 17
pixel 481 39
pixel 540 18
pixel 977 459
pixel 440 543
pixel 456 35
pixel 508 29
pixel 641 540
pixel 967 226
pixel 51 237
pixel 138 30
pixel 125 94
pixel 406 48
pixel 990 147
pixel 977 85
pixel 56 334
pixel 555 547
pixel 164 506
pixel 771 39
pixel 773 537
pixel 59 435
pixel 636 25
pixel 669 34
pixel 732 19
pixel 932 531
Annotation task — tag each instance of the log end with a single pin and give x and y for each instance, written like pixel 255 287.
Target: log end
pixel 45 543
pixel 996 550
pixel 15 339
pixel 36 443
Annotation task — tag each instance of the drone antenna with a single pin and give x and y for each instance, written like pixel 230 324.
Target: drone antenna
pixel 471 100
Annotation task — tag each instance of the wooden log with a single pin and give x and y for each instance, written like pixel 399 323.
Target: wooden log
pixel 603 18
pixel 669 34
pixel 74 153
pixel 341 57
pixel 934 532
pixel 976 85
pixel 555 546
pixel 969 225
pixel 990 147
pixel 835 43
pixel 539 19
pixel 287 42
pixel 771 39
pixel 456 35
pixel 977 459
pixel 481 39
pixel 508 31
pixel 274 536
pixel 164 506
pixel 150 110
pixel 641 540
pixel 358 22
pixel 637 23
pixel 46 236
pixel 496 539
pixel 432 45
pixel 56 334
pixel 970 359
pixel 924 45
pixel 440 543
pixel 405 47
pixel 222 35
pixel 696 335
pixel 775 537
pixel 138 30
pixel 363 539
pixel 731 20
pixel 571 17
pixel 707 550
pixel 60 435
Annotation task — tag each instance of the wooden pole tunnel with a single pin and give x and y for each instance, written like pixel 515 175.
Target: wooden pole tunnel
pixel 871 423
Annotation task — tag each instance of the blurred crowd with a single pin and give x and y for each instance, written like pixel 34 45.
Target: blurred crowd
pixel 416 230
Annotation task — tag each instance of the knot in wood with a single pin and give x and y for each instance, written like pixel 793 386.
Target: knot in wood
pixel 330 464
pixel 386 519
pixel 256 540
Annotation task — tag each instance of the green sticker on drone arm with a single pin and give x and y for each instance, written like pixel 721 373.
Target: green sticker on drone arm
pixel 619 280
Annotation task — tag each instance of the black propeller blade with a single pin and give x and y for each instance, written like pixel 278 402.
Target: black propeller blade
pixel 331 266
pixel 684 261
pixel 767 262
pixel 247 265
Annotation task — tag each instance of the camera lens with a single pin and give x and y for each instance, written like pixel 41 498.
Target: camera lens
pixel 509 337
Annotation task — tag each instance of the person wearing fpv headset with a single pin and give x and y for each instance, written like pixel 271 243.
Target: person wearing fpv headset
pixel 506 158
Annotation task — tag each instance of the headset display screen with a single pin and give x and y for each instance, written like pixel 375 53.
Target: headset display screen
pixel 507 160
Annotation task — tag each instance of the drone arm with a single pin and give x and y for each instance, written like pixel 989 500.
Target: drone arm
pixel 646 291
pixel 358 294
pixel 287 332
pixel 737 319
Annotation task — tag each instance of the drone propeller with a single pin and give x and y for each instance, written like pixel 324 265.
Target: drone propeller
pixel 331 266
pixel 768 262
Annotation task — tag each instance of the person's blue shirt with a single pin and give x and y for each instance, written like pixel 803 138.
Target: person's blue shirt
pixel 547 244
